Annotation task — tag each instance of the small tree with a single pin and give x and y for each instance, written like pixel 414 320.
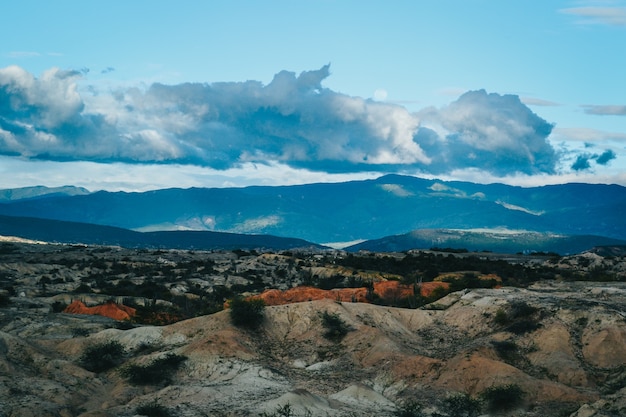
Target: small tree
pixel 410 409
pixel 335 327
pixel 102 356
pixel 153 409
pixel 5 300
pixel 247 313
pixel 157 372
pixel 461 405
pixel 503 397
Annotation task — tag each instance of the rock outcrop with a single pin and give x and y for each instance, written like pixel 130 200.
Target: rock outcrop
pixel 109 309
pixel 390 290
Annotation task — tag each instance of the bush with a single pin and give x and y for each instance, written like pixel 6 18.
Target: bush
pixel 335 327
pixel 521 309
pixel 5 300
pixel 410 409
pixel 157 372
pixel 247 313
pixel 501 317
pixel 523 326
pixel 102 356
pixel 462 405
pixel 82 289
pixel 58 307
pixel 503 397
pixel 80 332
pixel 153 410
pixel 281 411
pixel 520 319
pixel 506 349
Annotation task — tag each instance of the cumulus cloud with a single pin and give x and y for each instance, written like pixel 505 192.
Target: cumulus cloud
pixel 497 133
pixel 293 120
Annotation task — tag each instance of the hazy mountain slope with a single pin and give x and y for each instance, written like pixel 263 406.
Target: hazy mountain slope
pixel 14 194
pixel 502 241
pixel 74 232
pixel 348 211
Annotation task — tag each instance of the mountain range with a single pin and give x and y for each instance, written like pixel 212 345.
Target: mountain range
pixel 391 205
pixel 57 231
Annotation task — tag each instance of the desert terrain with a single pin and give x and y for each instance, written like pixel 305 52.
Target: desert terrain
pixel 521 336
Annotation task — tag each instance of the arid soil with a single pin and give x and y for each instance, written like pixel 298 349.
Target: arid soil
pixel 561 343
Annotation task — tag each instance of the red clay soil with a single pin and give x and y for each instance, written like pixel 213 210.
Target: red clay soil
pixel 109 309
pixel 384 289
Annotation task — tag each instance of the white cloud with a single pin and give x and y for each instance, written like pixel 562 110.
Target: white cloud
pixel 534 101
pixel 588 135
pixel 48 101
pixel 23 54
pixel 492 132
pixel 613 16
pixel 605 110
pixel 291 122
pixel 605 176
pixel 119 176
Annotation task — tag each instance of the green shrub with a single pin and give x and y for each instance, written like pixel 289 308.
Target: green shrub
pixel 521 309
pixel 520 318
pixel 410 409
pixel 462 405
pixel 82 289
pixel 157 372
pixel 281 411
pixel 153 409
pixel 58 307
pixel 247 313
pixel 5 300
pixel 102 356
pixel 505 349
pixel 501 318
pixel 80 332
pixel 335 327
pixel 523 326
pixel 582 321
pixel 124 325
pixel 503 397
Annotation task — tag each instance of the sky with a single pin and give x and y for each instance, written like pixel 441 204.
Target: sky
pixel 140 95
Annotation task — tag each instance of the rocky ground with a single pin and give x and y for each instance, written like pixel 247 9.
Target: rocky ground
pixel 560 344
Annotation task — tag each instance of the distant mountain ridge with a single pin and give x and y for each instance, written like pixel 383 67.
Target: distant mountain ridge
pixel 348 211
pixel 25 193
pixel 502 241
pixel 57 231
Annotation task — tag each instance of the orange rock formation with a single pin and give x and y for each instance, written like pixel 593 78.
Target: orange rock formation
pixel 109 309
pixel 384 289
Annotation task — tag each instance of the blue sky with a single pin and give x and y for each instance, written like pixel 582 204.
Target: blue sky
pixel 137 95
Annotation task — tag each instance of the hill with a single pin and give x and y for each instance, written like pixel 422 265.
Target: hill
pixel 28 193
pixel 349 211
pixel 497 240
pixel 74 232
pixel 532 336
pixel 565 353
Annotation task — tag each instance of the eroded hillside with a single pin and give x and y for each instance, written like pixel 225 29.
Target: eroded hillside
pixel 557 346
